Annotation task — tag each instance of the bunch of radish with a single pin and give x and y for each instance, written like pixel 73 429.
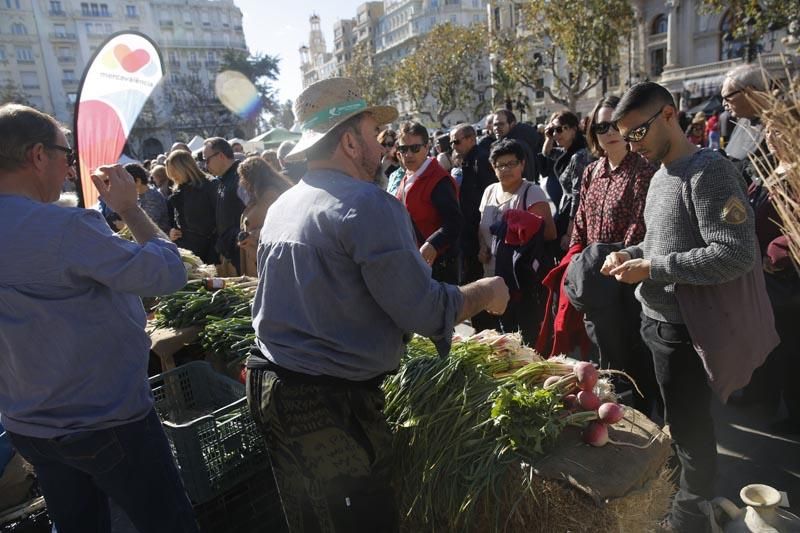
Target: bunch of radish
pixel 577 390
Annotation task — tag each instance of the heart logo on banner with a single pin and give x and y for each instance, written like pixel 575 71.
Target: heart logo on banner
pixel 131 60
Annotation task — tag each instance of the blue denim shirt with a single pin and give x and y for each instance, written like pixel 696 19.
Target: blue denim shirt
pixel 342 282
pixel 73 350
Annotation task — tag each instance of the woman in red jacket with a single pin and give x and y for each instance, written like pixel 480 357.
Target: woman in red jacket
pixel 430 195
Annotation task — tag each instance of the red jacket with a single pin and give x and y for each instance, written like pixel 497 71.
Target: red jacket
pixel 565 331
pixel 418 202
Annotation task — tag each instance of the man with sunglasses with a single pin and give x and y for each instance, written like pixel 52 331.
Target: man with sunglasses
pixel 699 231
pixel 477 174
pixel 430 195
pixel 74 395
pixel 220 162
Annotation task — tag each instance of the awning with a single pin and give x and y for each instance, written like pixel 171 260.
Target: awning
pixel 703 87
pixel 709 107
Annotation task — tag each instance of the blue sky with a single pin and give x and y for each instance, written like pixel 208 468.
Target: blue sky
pixel 280 28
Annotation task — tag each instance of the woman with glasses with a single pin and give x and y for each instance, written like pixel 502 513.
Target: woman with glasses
pixel 192 207
pixel 389 164
pixel 430 195
pixel 564 157
pixel 507 157
pixel 611 210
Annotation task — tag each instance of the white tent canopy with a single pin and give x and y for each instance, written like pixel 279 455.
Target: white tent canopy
pixel 196 143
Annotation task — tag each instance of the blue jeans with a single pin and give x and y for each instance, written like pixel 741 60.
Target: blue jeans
pixel 131 464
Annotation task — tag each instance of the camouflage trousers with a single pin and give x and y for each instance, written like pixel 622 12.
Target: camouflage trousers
pixel 330 450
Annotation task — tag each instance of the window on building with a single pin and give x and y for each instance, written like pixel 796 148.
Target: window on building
pixel 24 54
pixel 2 54
pixel 94 9
pixel 108 29
pixel 104 10
pixel 69 75
pixel 130 11
pixel 85 9
pixel 476 3
pixel 12 4
pixel 658 58
pixel 204 18
pixel 19 29
pixel 36 102
pixel 452 2
pixel 55 6
pixel 89 28
pixel 660 25
pixel 65 52
pixel 434 3
pixel 496 18
pixel 730 48
pixel 187 18
pixel 60 30
pixel 30 80
pixel 538 94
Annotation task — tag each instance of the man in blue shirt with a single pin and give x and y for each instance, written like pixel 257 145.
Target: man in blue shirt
pixel 342 285
pixel 74 396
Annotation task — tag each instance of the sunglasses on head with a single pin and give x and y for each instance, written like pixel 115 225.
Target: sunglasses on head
pixel 71 156
pixel 556 129
pixel 601 128
pixel 413 148
pixel 388 144
pixel 638 133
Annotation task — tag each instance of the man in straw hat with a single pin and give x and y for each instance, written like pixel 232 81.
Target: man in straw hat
pixel 342 286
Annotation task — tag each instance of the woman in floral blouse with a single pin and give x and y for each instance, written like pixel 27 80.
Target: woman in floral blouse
pixel 611 210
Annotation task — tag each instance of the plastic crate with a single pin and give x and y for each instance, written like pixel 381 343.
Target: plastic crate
pixel 213 436
pixel 251 507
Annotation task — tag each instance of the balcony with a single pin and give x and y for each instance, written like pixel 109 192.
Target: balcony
pixel 130 16
pixel 166 23
pixel 62 36
pixel 30 86
pixel 212 65
pixel 57 13
pixel 194 65
pixel 25 62
pixel 174 63
pixel 66 59
pixel 69 82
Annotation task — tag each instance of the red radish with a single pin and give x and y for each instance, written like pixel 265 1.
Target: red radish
pixel 610 412
pixel 595 434
pixel 570 401
pixel 552 380
pixel 588 400
pixel 587 375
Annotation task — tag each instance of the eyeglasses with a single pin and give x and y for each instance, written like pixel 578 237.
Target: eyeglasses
pixel 556 129
pixel 388 144
pixel 207 159
pixel 601 128
pixel 414 148
pixel 71 157
pixel 730 96
pixel 639 132
pixel 507 165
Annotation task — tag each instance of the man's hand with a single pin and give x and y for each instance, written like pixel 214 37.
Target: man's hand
pixel 116 188
pixel 428 253
pixel 613 260
pixel 499 300
pixel 632 271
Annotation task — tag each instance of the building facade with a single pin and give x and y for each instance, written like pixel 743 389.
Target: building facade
pixel 45 45
pixel 673 43
pixel 392 30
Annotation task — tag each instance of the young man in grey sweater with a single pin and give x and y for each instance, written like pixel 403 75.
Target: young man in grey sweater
pixel 700 231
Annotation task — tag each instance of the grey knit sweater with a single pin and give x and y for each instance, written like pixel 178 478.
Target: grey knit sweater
pixel 700 230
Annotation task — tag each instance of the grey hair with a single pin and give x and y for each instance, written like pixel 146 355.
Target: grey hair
pixel 22 127
pixel 748 76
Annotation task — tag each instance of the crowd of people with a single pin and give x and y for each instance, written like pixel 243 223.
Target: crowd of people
pixel 602 239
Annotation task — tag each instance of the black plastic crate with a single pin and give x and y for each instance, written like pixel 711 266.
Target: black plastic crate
pixel 208 423
pixel 251 507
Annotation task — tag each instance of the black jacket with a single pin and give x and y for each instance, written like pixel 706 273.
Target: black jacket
pixel 531 141
pixel 477 174
pixel 192 210
pixel 228 212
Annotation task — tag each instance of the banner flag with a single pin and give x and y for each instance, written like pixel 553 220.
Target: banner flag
pixel 115 86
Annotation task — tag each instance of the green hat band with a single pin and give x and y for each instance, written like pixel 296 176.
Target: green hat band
pixel 326 115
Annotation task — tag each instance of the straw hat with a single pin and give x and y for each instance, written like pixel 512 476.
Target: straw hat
pixel 326 104
pixel 699 118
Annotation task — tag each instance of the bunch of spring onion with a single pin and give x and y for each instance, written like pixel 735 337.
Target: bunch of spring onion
pixel 462 423
pixel 231 338
pixel 195 303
